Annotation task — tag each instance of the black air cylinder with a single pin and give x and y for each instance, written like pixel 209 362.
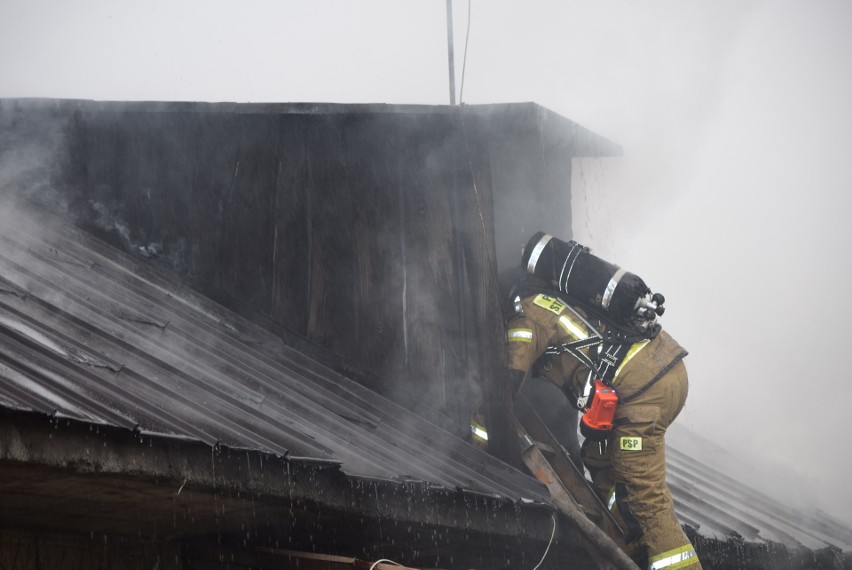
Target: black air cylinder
pixel 587 279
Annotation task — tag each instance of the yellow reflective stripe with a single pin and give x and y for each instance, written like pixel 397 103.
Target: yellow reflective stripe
pixel 519 335
pixel 673 559
pixel 478 431
pixel 572 328
pixel 634 350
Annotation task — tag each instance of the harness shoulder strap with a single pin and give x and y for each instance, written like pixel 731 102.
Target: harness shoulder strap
pixel 656 378
pixel 575 350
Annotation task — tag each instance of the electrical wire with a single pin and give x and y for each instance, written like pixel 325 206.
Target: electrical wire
pixel 377 562
pixel 543 556
pixel 552 534
pixel 464 59
pixel 540 562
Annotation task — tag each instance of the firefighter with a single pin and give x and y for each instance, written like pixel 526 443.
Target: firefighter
pixel 627 464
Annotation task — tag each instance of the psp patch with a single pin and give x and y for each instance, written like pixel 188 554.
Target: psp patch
pixel 553 305
pixel 630 444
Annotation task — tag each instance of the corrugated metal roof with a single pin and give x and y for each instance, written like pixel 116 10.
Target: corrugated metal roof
pixel 721 506
pixel 88 332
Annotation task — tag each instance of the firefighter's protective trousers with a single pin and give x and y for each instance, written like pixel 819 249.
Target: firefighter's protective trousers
pixel 628 469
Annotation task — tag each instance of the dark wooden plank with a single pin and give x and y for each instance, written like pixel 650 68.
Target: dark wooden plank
pixel 291 235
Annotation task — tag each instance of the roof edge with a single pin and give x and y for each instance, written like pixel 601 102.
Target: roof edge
pixel 593 144
pixel 38 440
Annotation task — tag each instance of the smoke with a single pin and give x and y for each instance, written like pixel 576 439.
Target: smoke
pixel 732 198
pixel 32 149
pixel 747 244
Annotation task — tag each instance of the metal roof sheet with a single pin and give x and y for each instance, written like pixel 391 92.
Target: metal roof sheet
pixel 89 332
pixel 721 506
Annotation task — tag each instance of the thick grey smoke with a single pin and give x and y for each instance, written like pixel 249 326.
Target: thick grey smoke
pixel 31 150
pixel 732 197
pixel 744 227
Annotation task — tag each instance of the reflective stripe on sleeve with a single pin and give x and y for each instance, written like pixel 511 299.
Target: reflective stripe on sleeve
pixel 519 335
pixel 673 559
pixel 572 328
pixel 478 431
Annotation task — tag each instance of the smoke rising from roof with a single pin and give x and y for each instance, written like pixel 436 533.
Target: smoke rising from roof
pixel 744 235
pixel 732 198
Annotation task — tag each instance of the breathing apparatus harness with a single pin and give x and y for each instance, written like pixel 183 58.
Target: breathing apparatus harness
pixel 617 298
pixel 599 398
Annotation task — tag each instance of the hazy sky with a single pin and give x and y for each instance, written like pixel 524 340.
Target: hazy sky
pixel 732 197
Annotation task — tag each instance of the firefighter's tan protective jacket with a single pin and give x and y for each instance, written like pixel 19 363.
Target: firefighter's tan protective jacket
pixel 629 472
